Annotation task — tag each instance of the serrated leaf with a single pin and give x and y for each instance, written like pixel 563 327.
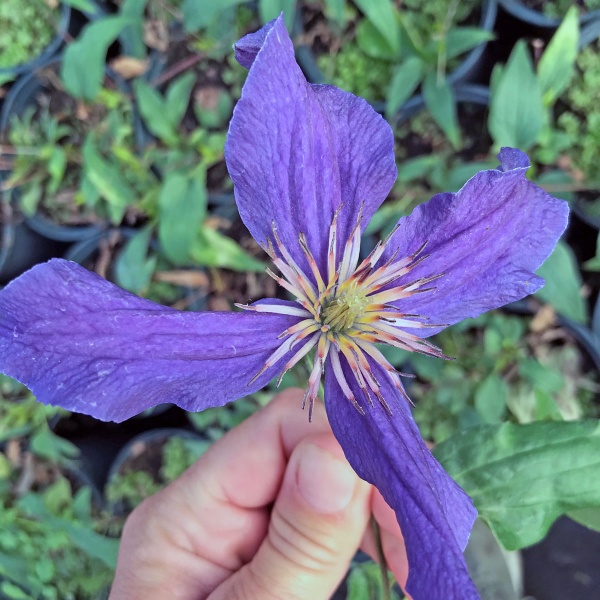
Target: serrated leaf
pixel 133 267
pixel 83 64
pixel 523 477
pixel 439 99
pixel 213 249
pixel 405 80
pixel 557 64
pixel 181 210
pixel 563 284
pixel 516 112
pixel 382 15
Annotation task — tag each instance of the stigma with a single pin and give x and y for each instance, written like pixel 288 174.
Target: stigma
pixel 345 311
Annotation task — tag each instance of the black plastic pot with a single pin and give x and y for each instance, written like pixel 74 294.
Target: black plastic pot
pixel 48 53
pixel 463 73
pixel 135 447
pixel 21 96
pixel 472 93
pixel 21 248
pixel 539 20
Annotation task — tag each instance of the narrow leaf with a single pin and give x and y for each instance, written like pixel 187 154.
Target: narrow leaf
pixel 213 249
pixel 382 15
pixel 439 99
pixel 405 80
pixel 154 112
pixel 462 39
pixel 557 63
pixel 177 98
pixel 516 111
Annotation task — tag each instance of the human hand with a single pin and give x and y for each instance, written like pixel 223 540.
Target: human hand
pixel 272 511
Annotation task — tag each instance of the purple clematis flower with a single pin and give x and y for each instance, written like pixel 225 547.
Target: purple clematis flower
pixel 310 164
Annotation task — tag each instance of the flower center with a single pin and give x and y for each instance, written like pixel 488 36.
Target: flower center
pixel 341 313
pixel 344 311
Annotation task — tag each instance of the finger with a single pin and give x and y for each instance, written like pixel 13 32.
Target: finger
pixel 392 541
pixel 316 526
pixel 182 542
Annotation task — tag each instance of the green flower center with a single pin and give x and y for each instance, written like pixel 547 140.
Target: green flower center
pixel 344 309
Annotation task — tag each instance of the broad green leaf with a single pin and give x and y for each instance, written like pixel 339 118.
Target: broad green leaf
pixel 372 43
pixel 590 517
pixel 563 284
pixel 523 477
pixel 271 9
pixel 516 110
pixel 382 15
pixel 199 14
pixel 405 80
pixel 461 39
pixel 490 398
pixel 133 34
pixel 133 267
pixel 439 99
pixel 557 63
pixel 108 180
pixel 181 210
pixel 177 98
pixel 84 60
pixel 153 109
pixel 213 249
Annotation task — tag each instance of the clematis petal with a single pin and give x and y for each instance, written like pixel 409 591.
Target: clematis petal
pixel 434 513
pixel 295 151
pixel 487 239
pixel 84 344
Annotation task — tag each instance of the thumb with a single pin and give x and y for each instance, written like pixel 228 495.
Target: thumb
pixel 316 526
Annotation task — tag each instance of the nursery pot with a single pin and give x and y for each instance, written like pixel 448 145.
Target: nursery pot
pixel 21 96
pixel 538 20
pixel 144 452
pixel 47 54
pixel 464 72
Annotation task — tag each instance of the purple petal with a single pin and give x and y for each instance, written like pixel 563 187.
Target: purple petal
pixel 434 513
pixel 246 49
pixel 296 151
pixel 84 344
pixel 487 239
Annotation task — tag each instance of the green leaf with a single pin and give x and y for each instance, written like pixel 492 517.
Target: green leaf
pixel 271 9
pixel 199 14
pixel 181 210
pixel 590 517
pixel 461 39
pixel 557 64
pixel 516 111
pixel 405 80
pixel 372 43
pixel 523 477
pixel 541 376
pixel 84 60
pixel 490 398
pixel 335 11
pixel 213 249
pixel 108 180
pixel 563 284
pixel 135 11
pixel 153 109
pixel 133 268
pixel 382 15
pixel 177 98
pixel 439 99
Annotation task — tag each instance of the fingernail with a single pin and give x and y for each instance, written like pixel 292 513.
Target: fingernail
pixel 324 481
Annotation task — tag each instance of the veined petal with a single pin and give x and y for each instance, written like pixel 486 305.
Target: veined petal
pixel 84 344
pixel 488 239
pixel 434 513
pixel 296 151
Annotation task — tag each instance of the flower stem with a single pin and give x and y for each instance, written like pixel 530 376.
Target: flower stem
pixel 385 580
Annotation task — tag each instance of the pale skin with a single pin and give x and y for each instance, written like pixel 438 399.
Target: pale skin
pixel 270 511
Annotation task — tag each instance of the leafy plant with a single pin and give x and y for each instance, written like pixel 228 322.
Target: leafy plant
pixel 522 96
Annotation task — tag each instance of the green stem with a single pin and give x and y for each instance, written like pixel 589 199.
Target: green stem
pixel 385 579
